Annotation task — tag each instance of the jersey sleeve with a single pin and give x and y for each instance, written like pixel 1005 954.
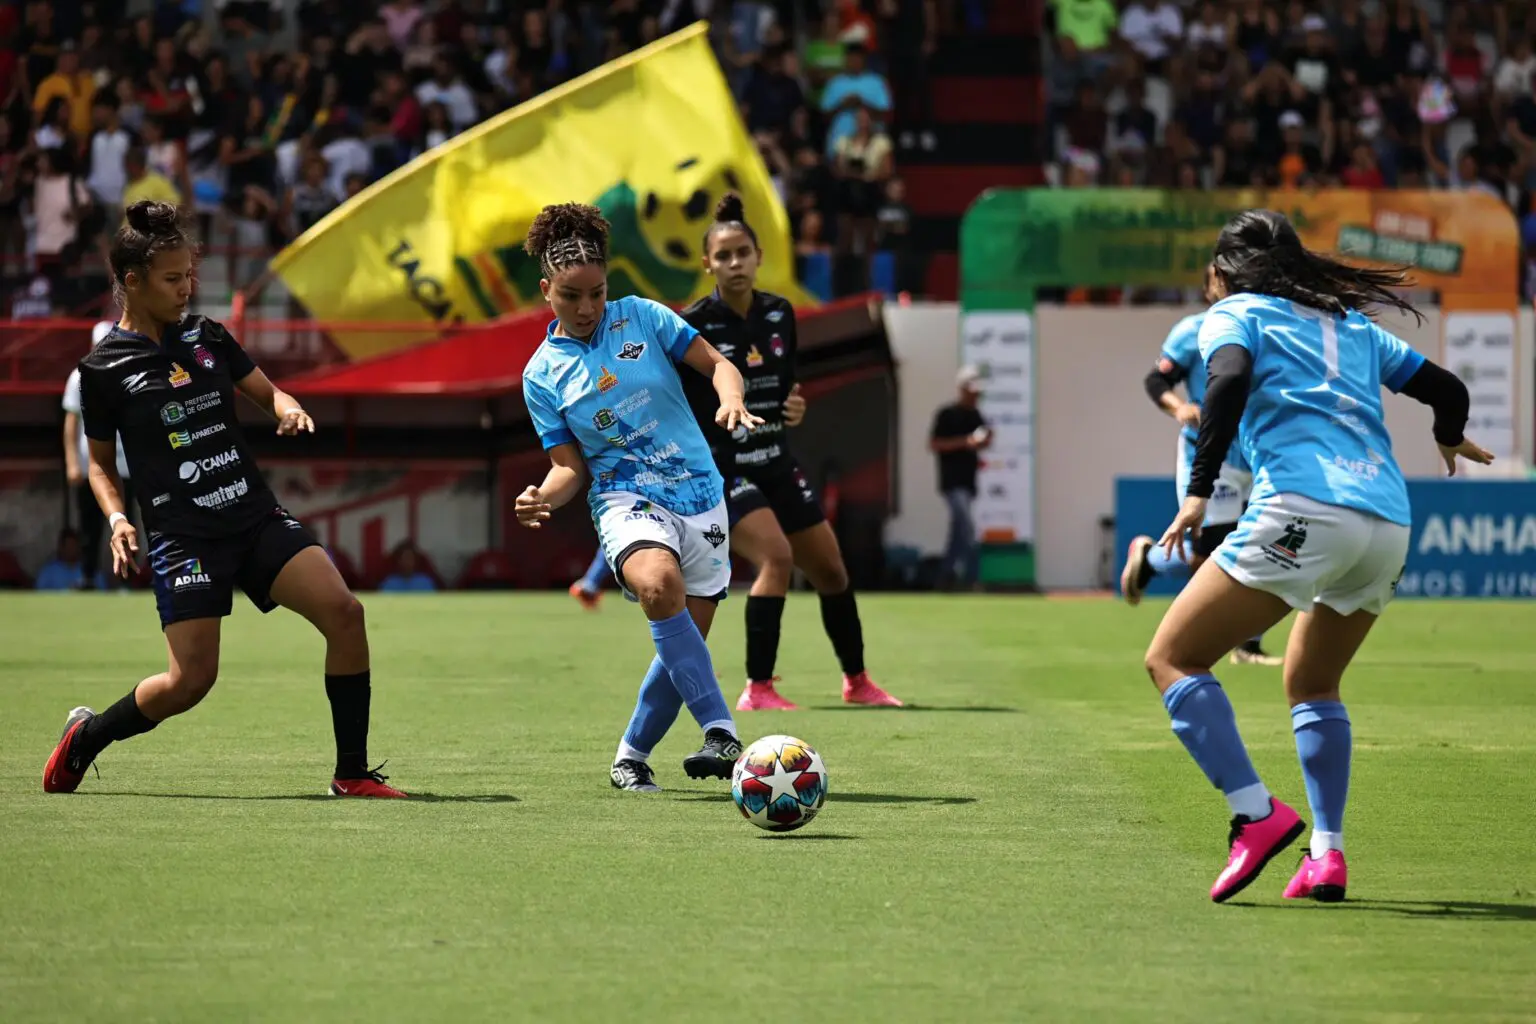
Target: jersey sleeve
pixel 95 409
pixel 1398 362
pixel 1222 327
pixel 72 392
pixel 545 414
pixel 672 332
pixel 240 364
pixel 1181 349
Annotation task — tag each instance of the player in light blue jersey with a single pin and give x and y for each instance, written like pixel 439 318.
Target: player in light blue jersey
pixel 604 395
pixel 1295 370
pixel 1180 362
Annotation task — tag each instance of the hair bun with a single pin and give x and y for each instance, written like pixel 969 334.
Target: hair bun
pixel 152 218
pixel 730 208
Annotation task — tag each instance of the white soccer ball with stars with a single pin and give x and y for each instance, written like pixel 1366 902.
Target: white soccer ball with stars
pixel 779 783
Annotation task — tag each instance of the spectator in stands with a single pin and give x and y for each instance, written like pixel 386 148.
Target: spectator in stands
pixel 773 91
pixel 1153 28
pixel 71 86
pixel 53 130
pixel 142 183
pixel 405 574
pixel 862 163
pixel 446 86
pixel 1300 161
pixel 893 233
pixel 1513 77
pixel 1363 171
pixel 64 571
pixel 308 201
pixel 60 202
pixel 1089 24
pixel 854 87
pixel 76 465
pixel 958 437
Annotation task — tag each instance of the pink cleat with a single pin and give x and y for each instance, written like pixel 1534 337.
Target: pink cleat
pixel 1322 880
pixel 763 697
pixel 1254 844
pixel 589 598
pixel 861 689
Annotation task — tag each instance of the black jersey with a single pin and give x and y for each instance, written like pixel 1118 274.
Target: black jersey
pixel 762 345
pixel 172 403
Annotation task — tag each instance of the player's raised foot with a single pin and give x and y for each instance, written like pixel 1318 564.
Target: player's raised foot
pixel 65 766
pixel 716 758
pixel 589 598
pixel 861 689
pixel 1251 652
pixel 1323 880
pixel 635 776
pixel 762 696
pixel 1253 845
pixel 371 784
pixel 1135 568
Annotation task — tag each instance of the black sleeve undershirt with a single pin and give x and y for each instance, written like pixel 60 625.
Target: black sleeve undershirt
pixel 1159 383
pixel 1440 389
pixel 1226 396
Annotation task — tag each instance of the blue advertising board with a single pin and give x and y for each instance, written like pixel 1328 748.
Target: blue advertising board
pixel 1470 539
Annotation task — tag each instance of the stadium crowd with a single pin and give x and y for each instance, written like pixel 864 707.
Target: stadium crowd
pixel 261 117
pixel 1364 94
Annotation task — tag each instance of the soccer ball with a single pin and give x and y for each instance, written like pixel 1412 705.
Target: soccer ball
pixel 779 783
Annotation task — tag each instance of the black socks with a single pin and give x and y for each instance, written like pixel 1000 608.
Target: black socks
pixel 349 697
pixel 840 618
pixel 121 721
pixel 763 617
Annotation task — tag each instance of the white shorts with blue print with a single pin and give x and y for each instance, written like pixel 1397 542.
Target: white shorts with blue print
pixel 1306 552
pixel 1230 496
pixel 701 543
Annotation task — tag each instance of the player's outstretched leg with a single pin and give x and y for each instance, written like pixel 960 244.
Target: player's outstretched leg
pixel 818 555
pixel 758 538
pixel 678 626
pixel 589 589
pixel 1206 620
pixel 1322 645
pixel 309 584
pixel 1145 561
pixel 193 652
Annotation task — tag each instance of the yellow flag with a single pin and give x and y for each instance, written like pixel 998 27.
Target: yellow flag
pixel 653 139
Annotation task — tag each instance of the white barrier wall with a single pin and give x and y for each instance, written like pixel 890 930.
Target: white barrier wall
pixel 1094 421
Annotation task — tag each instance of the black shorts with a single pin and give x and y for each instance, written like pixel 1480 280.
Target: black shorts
pixel 195 578
pixel 1211 537
pixel 782 487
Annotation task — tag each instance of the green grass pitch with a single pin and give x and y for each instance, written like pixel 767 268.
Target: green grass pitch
pixel 1032 843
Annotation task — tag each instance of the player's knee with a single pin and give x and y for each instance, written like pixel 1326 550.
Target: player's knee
pixel 661 594
pixel 343 617
pixel 829 579
pixel 191 679
pixel 777 565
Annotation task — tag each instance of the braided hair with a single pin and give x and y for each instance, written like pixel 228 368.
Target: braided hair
pixel 730 215
pixel 1259 252
pixel 567 235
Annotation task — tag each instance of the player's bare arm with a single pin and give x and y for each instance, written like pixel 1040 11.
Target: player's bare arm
pixel 277 403
pixel 706 359
pixel 565 479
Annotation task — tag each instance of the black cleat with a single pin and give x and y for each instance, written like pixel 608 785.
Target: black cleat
pixel 635 776
pixel 716 758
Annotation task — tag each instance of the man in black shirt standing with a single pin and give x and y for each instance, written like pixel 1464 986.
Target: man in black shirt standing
pixel 959 434
pixel 166 384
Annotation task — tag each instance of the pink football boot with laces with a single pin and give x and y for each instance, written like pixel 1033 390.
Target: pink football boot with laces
pixel 1323 880
pixel 1253 845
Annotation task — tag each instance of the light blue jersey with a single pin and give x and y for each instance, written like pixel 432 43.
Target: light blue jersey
pixel 1314 424
pixel 1181 349
pixel 619 398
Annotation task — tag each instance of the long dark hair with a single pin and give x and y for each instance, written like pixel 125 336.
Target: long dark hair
pixel 1259 252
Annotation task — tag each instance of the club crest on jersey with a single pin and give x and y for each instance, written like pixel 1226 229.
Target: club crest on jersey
pixel 776 343
pixel 773 316
pixel 203 356
pixel 714 535
pixel 632 350
pixel 604 419
pixel 619 324
pixel 607 381
pixel 1284 551
pixel 754 357
pixel 179 378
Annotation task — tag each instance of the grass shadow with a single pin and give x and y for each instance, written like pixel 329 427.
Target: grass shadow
pixel 419 798
pixel 804 837
pixel 844 798
pixel 1435 909
pixel 973 708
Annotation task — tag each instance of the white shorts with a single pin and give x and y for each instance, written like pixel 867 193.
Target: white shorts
pixel 1306 552
pixel 626 520
pixel 1230 495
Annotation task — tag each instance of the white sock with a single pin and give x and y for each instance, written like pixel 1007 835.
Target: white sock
pixel 723 723
pixel 629 753
pixel 1322 842
pixel 1252 802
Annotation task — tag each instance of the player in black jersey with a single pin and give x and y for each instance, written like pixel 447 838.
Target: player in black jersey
pixel 166 382
pixel 776 518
